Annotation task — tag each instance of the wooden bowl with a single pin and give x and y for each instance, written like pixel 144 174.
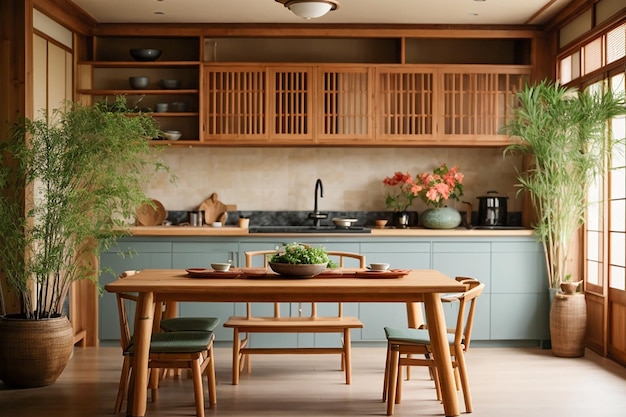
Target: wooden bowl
pixel 380 222
pixel 297 270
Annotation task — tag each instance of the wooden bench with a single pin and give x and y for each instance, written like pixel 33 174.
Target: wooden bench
pixel 245 325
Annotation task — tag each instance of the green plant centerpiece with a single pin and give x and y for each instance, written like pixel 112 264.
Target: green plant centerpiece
pixel 564 133
pixel 299 260
pixel 71 182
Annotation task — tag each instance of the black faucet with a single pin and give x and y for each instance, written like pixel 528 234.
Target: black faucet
pixel 316 215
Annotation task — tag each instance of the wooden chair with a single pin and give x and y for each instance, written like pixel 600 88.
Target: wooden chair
pixel 244 326
pixel 170 323
pixel 173 350
pixel 403 343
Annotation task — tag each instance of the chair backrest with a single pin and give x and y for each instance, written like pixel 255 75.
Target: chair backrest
pixel 253 254
pixel 467 300
pixel 332 254
pixel 340 256
pixel 121 297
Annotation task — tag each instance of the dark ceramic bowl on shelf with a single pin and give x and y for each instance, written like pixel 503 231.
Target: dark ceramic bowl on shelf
pixel 138 83
pixel 169 84
pixel 179 106
pixel 145 54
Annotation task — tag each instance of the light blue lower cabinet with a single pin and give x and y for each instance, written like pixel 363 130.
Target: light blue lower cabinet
pixel 519 317
pixel 514 306
pixel 467 259
pixel 409 254
pixel 200 253
pixel 128 254
pixel 519 294
pixel 377 316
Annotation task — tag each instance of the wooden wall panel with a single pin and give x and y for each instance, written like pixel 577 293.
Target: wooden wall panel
pixel 595 314
pixel 40 74
pixel 57 76
pixel 15 48
pixel 617 335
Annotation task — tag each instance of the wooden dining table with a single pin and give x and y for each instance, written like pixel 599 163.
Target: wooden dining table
pixel 171 285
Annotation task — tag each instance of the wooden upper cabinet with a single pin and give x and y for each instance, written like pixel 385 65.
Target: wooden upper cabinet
pixel 287 104
pixel 258 104
pixel 344 104
pixel 476 102
pixel 309 90
pixel 291 110
pixel 405 103
pixel 235 104
pixel 341 104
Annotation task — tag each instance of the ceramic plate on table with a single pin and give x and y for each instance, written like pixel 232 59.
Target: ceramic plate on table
pixel 255 272
pixel 211 273
pixel 390 273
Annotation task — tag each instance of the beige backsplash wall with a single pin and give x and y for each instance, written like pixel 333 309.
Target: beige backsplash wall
pixel 284 178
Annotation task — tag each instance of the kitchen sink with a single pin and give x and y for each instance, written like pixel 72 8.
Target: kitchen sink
pixel 308 229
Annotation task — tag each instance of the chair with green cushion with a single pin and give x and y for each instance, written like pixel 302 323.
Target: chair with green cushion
pixel 402 343
pixel 178 350
pixel 185 324
pixel 189 324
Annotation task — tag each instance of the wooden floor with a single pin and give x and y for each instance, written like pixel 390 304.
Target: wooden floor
pixel 506 382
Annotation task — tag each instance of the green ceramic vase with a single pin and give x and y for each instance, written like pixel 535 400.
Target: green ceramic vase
pixel 441 218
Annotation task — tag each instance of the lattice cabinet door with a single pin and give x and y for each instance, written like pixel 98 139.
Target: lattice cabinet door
pixel 235 104
pixel 291 103
pixel 344 104
pixel 477 102
pixel 405 103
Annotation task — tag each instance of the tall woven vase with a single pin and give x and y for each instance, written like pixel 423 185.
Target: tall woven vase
pixel 568 321
pixel 34 353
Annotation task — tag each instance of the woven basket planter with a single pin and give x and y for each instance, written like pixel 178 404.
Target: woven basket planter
pixel 33 353
pixel 568 321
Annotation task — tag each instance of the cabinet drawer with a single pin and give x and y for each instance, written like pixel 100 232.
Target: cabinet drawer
pixel 141 247
pixel 204 247
pixel 470 247
pixel 396 247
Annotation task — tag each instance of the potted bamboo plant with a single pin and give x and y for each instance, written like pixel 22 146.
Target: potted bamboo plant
pixel 70 183
pixel 564 132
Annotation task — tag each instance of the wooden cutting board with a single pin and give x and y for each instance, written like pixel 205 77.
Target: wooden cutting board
pixel 214 210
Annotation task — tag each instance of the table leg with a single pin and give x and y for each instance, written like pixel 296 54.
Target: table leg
pixel 236 356
pixel 441 352
pixel 143 332
pixel 414 315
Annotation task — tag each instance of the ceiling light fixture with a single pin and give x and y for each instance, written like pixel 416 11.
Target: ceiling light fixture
pixel 310 9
